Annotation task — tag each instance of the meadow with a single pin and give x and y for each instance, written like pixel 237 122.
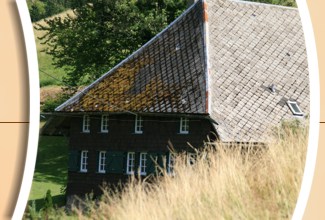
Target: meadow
pixel 225 182
pixel 50 171
pixel 45 62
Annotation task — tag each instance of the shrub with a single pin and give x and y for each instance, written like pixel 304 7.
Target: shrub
pixel 51 103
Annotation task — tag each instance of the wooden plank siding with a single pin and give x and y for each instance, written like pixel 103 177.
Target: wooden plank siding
pixel 158 131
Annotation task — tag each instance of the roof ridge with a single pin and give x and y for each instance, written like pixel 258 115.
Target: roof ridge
pixel 206 43
pixel 87 88
pixel 264 4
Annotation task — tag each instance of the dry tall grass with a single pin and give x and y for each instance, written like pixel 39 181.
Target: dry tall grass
pixel 224 183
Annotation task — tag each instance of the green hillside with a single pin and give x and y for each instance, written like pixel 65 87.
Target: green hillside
pixel 45 60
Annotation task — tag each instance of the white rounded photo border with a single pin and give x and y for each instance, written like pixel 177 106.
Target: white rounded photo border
pixel 314 110
pixel 34 109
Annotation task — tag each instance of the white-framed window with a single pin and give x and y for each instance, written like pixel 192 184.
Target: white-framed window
pixel 138 125
pixel 130 163
pixel 84 161
pixel 143 163
pixel 104 124
pixel 184 126
pixel 86 124
pixel 295 109
pixel 171 163
pixel 102 162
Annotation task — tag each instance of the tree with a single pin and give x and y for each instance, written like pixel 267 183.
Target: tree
pixel 40 9
pixel 103 32
pixel 36 9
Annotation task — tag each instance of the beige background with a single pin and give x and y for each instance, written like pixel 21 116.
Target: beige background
pixel 14 109
pixel 316 204
pixel 14 106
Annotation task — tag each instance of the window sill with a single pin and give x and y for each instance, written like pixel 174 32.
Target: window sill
pixel 298 116
pixel 103 132
pixel 85 132
pixel 138 132
pixel 183 133
pixel 83 171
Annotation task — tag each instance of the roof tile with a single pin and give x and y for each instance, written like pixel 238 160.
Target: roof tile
pixel 259 37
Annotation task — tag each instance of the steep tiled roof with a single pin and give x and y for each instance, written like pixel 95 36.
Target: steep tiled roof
pixel 165 75
pixel 247 46
pixel 253 46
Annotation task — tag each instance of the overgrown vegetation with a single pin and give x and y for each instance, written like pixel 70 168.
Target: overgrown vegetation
pixel 224 183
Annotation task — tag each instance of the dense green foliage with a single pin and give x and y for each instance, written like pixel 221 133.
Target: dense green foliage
pixel 44 8
pixel 103 32
pixel 291 3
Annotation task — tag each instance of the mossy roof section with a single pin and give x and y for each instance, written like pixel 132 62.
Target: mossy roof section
pixel 250 47
pixel 253 46
pixel 166 75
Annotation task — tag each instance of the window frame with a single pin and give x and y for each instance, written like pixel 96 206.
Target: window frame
pixel 294 112
pixel 86 124
pixel 138 125
pixel 184 126
pixel 104 123
pixel 102 161
pixel 171 163
pixel 143 163
pixel 130 167
pixel 84 161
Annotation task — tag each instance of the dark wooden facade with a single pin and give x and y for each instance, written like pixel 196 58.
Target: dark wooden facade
pixel 158 132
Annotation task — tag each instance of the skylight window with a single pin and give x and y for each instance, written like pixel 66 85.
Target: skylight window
pixel 294 107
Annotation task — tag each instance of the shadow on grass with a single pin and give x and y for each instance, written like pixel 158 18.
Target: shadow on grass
pixel 52 160
pixel 58 201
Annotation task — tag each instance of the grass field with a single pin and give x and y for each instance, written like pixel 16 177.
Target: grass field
pixel 45 60
pixel 45 64
pixel 224 183
pixel 50 171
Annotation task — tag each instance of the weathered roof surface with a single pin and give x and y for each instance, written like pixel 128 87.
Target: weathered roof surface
pixel 253 46
pixel 165 75
pixel 249 47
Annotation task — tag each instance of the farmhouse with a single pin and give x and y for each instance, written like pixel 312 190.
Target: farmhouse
pixel 225 70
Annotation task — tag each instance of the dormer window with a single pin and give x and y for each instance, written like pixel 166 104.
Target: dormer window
pixel 86 124
pixel 294 107
pixel 104 124
pixel 184 126
pixel 138 125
